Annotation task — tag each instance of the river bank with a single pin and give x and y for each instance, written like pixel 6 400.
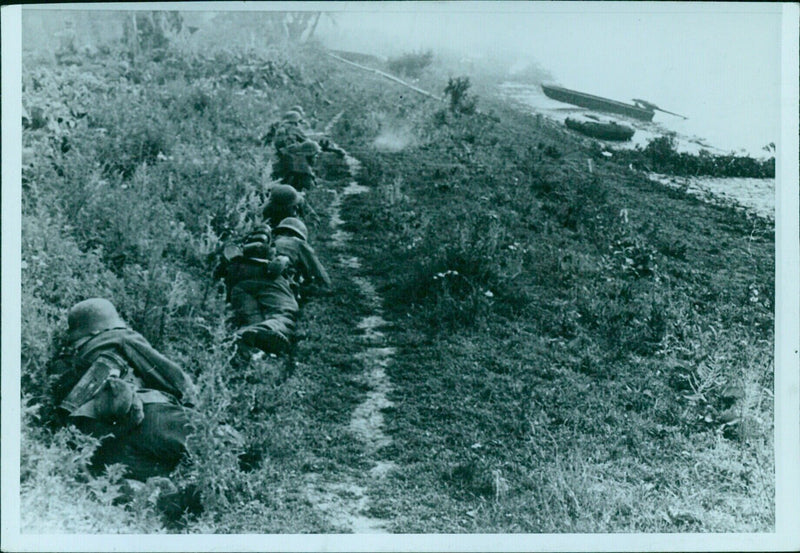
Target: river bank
pixel 755 195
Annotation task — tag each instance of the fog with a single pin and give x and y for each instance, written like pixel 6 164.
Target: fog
pixel 718 64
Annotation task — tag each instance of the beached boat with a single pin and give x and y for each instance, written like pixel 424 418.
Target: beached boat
pixel 597 102
pixel 604 130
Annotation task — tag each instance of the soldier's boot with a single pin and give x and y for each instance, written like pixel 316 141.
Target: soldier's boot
pixel 265 339
pixel 179 506
pixel 243 355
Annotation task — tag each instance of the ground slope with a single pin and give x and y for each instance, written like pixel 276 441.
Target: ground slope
pixel 513 342
pixel 578 348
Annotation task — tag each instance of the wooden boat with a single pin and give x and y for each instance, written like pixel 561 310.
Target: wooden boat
pixel 604 130
pixel 597 103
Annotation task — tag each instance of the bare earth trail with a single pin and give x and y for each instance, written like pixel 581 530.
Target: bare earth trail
pixel 345 501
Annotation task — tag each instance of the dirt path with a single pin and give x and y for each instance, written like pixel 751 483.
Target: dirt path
pixel 346 501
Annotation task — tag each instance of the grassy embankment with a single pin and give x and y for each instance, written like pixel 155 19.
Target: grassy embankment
pixel 569 344
pixel 134 173
pixel 577 351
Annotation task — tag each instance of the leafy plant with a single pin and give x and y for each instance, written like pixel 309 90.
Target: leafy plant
pixel 461 101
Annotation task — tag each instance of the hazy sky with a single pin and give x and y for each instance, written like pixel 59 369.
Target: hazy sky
pixel 717 63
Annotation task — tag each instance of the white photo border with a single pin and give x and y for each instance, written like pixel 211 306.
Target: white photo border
pixel 787 327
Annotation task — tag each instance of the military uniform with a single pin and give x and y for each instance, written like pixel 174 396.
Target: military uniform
pixel 110 383
pixel 283 135
pixel 302 158
pixel 296 152
pixel 304 265
pixel 261 295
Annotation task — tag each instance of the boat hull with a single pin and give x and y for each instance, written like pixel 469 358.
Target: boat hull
pixel 597 103
pixel 603 131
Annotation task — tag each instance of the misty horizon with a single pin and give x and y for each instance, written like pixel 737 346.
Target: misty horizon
pixel 719 67
pixel 717 64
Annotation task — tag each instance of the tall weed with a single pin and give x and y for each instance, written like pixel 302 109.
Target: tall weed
pixel 458 268
pixel 59 496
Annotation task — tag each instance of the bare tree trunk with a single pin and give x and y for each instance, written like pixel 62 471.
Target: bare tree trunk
pixel 292 24
pixel 314 26
pixel 135 36
pixel 297 23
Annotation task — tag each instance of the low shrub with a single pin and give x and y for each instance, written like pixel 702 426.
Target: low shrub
pixel 57 495
pixel 461 101
pixel 459 269
pixel 135 132
pixel 410 64
pixel 661 155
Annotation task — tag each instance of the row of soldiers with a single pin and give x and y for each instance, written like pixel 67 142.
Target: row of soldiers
pixel 276 268
pixel 296 152
pixel 110 383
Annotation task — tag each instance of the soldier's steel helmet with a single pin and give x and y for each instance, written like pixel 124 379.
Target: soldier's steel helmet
pixel 92 316
pixel 284 195
pixel 294 225
pixel 292 117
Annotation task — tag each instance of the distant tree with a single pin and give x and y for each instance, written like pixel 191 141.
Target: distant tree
pixel 148 31
pixel 256 29
pixel 299 24
pixel 294 26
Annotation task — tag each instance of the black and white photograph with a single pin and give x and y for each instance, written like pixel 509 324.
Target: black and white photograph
pixel 401 276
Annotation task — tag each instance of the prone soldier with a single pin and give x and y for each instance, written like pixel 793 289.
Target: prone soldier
pixel 110 383
pixel 305 269
pixel 296 152
pixel 260 293
pixel 283 201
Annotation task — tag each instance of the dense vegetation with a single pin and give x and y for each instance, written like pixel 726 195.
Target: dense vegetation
pixel 662 156
pixel 569 338
pixel 576 351
pixel 138 172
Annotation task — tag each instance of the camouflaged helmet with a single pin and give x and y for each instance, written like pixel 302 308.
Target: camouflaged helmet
pixel 298 109
pixel 284 195
pixel 91 317
pixel 257 243
pixel 295 225
pixel 292 117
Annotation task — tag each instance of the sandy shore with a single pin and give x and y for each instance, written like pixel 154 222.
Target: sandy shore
pixel 755 195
